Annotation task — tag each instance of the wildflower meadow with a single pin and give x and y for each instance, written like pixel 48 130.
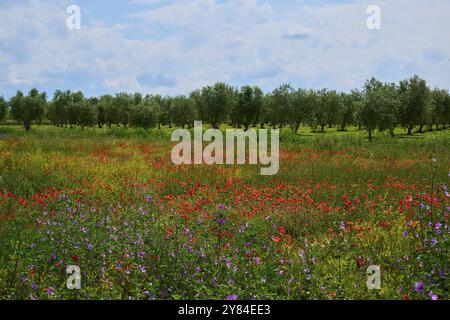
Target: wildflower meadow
pixel 111 203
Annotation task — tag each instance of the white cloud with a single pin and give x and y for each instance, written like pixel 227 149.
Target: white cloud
pixel 188 44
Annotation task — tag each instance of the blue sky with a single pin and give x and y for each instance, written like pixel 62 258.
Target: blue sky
pixel 174 46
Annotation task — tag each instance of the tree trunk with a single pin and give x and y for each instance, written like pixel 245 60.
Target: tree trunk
pixel 322 127
pixel 391 131
pixel 370 134
pixel 410 131
pixel 421 128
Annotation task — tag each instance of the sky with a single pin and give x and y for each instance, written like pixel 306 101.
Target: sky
pixel 172 47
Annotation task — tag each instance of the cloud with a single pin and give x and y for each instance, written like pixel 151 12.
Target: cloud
pixel 298 34
pixel 172 47
pixel 156 80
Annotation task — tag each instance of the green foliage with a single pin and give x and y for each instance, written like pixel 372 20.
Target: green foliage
pixel 414 95
pixel 106 111
pixel 327 108
pixel 370 114
pixel 141 115
pixel 350 105
pixel 378 106
pixel 280 104
pixel 3 108
pixel 214 103
pixel 300 108
pixel 57 111
pixel 26 109
pixel 440 108
pixel 183 111
pixel 248 106
pixel 122 105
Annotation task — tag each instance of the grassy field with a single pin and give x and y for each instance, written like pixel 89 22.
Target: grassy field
pixel 111 202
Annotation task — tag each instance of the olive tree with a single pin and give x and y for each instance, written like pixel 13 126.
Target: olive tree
pixel 248 105
pixel 142 116
pixel 414 95
pixel 214 103
pixel 26 109
pixel 3 108
pixel 57 109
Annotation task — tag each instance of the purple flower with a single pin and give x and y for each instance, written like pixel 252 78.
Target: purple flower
pixel 434 241
pixel 418 286
pixel 433 296
pixel 34 286
pixel 50 291
pixel 90 246
pixel 141 254
pixel 232 297
pixel 143 269
pixel 222 207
